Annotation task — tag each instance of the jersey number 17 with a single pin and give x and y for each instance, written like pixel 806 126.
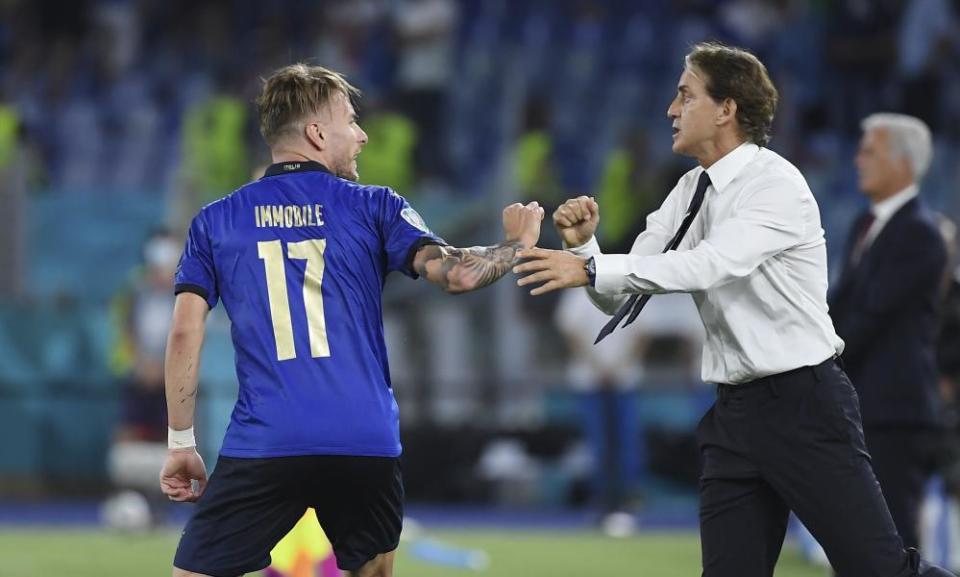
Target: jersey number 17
pixel 271 253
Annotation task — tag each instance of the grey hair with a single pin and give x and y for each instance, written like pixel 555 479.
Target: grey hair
pixel 909 137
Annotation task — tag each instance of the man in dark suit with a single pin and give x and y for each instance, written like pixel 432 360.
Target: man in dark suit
pixel 885 307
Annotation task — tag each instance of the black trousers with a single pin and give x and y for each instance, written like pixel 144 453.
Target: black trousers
pixel 904 460
pixel 794 441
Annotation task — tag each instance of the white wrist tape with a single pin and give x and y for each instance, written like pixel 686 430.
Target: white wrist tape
pixel 180 439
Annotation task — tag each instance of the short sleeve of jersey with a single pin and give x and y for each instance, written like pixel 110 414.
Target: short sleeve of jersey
pixel 404 232
pixel 195 273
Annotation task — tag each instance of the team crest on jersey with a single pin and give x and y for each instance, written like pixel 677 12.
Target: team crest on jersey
pixel 414 218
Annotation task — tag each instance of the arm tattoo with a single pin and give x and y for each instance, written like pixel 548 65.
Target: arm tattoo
pixel 465 269
pixel 184 397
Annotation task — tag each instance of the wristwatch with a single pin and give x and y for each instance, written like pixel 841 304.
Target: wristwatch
pixel 591 267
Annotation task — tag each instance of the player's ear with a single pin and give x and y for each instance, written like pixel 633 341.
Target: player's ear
pixel 727 111
pixel 313 132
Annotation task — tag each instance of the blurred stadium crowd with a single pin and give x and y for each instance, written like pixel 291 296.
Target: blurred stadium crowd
pixel 122 117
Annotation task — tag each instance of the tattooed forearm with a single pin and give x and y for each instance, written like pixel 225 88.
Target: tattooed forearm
pixel 459 270
pixel 187 395
pixel 182 361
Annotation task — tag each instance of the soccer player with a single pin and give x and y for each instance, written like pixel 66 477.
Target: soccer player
pixel 299 259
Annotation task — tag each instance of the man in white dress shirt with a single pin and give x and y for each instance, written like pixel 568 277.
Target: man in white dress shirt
pixel 742 234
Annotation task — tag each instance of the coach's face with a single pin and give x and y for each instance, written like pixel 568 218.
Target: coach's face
pixel 880 171
pixel 694 114
pixel 340 137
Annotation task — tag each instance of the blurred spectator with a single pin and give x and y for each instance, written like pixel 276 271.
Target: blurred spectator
pixel 861 43
pixel 885 308
pixel 948 230
pixel 535 174
pixel 754 23
pixel 143 312
pixel 350 39
pixel 936 533
pixel 948 359
pixel 388 156
pixel 631 189
pixel 577 89
pixel 948 344
pixel 9 134
pixel 605 380
pixel 12 195
pixel 215 158
pixel 928 40
pixel 424 32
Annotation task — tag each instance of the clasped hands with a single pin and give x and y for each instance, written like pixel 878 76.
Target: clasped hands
pixel 576 220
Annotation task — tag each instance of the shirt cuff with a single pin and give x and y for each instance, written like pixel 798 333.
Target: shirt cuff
pixel 587 249
pixel 611 273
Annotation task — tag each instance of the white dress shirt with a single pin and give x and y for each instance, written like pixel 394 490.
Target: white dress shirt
pixel 754 259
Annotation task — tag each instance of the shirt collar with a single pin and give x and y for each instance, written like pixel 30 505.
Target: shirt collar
pixel 295 166
pixel 886 208
pixel 723 171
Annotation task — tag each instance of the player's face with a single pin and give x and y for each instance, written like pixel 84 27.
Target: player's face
pixel 879 170
pixel 343 138
pixel 693 113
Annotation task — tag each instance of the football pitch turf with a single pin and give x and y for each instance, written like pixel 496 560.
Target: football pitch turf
pixel 512 553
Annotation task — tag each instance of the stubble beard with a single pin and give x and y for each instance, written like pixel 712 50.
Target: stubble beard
pixel 346 171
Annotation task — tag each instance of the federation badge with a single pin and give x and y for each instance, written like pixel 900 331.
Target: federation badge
pixel 414 218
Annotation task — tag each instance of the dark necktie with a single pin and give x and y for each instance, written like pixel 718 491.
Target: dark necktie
pixel 637 301
pixel 860 244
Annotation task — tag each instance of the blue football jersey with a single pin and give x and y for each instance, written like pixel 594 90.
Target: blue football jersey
pixel 299 259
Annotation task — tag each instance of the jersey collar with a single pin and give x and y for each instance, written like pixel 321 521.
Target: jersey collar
pixel 295 166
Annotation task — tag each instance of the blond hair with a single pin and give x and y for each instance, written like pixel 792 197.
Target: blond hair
pixel 294 92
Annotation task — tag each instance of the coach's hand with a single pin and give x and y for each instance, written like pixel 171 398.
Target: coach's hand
pixel 556 269
pixel 182 467
pixel 576 220
pixel 521 223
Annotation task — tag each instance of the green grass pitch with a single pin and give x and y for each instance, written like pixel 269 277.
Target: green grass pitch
pixel 95 553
